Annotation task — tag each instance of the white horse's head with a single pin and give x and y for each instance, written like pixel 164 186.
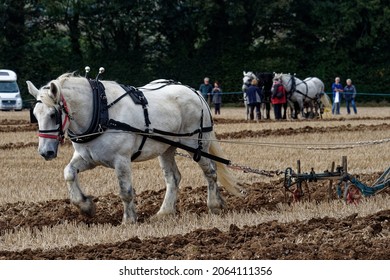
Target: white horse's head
pixel 246 80
pixel 284 79
pixel 52 121
pixel 278 77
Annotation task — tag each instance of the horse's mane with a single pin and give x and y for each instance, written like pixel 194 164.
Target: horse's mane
pixel 45 96
pixel 67 75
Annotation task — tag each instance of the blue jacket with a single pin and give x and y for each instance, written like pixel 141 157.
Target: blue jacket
pixel 349 92
pixel 338 86
pixel 254 95
pixel 205 90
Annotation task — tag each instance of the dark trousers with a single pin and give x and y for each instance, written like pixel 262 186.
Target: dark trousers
pixel 278 111
pixel 252 107
pixel 348 103
pixel 217 108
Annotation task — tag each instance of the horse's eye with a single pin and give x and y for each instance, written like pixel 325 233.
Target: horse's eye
pixel 53 116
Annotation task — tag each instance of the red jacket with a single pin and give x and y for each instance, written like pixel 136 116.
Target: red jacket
pixel 279 97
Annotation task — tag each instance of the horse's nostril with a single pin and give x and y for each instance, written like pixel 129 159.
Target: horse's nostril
pixel 49 155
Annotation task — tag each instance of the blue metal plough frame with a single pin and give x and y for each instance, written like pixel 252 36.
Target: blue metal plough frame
pixel 293 182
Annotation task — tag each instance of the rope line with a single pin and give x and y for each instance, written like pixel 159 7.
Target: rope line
pixel 305 146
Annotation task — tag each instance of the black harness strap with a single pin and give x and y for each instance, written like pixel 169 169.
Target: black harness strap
pixel 138 153
pixel 198 154
pixel 123 126
pixel 138 97
pixel 294 89
pixel 99 116
pixel 203 129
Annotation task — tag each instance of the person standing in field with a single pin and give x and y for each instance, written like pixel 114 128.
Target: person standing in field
pixel 217 98
pixel 254 98
pixel 337 88
pixel 349 96
pixel 278 98
pixel 206 89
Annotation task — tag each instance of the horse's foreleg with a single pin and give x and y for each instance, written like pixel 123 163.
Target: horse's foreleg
pixel 126 192
pixel 215 202
pixel 172 179
pixel 77 197
pixel 285 105
pixel 268 109
pixel 302 108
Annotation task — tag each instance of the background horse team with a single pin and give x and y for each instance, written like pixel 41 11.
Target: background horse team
pixel 301 94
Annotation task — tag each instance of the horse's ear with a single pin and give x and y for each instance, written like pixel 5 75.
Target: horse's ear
pixel 32 89
pixel 55 90
pixel 244 73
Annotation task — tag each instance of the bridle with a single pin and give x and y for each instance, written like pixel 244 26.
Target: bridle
pixel 62 124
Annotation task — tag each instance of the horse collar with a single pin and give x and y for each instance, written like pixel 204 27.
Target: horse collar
pixel 100 116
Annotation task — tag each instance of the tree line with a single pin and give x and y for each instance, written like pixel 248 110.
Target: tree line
pixel 186 40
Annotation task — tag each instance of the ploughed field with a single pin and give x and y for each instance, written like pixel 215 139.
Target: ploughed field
pixel 37 220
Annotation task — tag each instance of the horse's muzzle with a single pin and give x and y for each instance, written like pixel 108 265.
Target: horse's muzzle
pixel 49 155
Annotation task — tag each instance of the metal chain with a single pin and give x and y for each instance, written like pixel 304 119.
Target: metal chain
pixel 246 169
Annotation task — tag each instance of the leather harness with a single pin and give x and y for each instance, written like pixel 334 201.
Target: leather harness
pixel 294 89
pixel 101 122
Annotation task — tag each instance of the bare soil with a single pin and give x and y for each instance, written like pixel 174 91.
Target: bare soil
pixel 352 237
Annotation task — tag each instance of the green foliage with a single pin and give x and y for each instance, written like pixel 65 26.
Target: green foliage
pixel 138 41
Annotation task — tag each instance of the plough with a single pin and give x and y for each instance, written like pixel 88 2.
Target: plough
pixel 348 187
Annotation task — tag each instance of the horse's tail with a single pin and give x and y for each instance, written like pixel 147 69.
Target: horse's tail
pixel 325 100
pixel 224 176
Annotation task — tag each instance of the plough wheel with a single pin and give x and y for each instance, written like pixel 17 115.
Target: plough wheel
pixel 352 195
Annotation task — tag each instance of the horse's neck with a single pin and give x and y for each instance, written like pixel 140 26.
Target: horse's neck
pixel 287 82
pixel 290 80
pixel 80 105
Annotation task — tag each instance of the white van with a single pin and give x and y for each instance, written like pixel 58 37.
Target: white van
pixel 10 98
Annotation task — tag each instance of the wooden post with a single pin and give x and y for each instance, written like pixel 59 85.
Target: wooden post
pixel 344 164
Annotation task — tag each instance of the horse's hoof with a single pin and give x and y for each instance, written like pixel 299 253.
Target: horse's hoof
pixel 164 214
pixel 87 207
pixel 215 211
pixel 161 216
pixel 217 208
pixel 129 221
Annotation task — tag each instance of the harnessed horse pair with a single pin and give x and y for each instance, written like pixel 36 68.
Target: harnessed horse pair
pixel 306 93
